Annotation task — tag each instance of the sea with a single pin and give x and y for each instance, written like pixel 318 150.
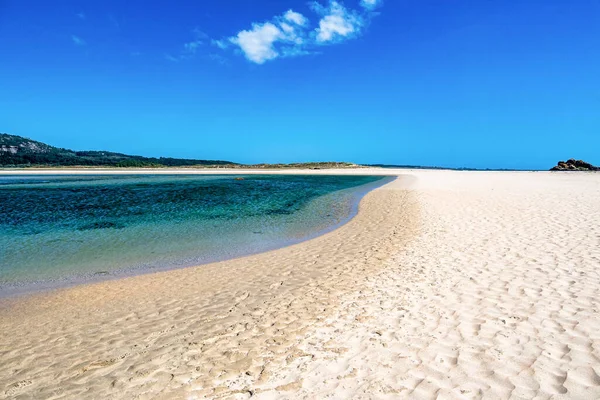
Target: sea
pixel 63 230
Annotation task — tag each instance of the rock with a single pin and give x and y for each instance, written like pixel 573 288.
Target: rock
pixel 574 165
pixel 239 179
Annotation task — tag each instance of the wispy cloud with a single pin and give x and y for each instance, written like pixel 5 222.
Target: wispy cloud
pixel 189 49
pixel 81 15
pixel 218 58
pixel 291 35
pixel 295 18
pixel 370 4
pixel 78 41
pixel 200 39
pixel 220 43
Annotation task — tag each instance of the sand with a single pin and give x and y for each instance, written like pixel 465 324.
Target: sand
pixel 445 285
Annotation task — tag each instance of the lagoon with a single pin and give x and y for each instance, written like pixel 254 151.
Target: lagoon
pixel 61 230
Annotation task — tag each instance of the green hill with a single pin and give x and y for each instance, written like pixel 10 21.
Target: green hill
pixel 17 151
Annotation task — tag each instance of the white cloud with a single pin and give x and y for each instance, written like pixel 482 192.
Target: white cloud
pixel 289 35
pixel 77 40
pixel 337 23
pixel 282 37
pixel 370 4
pixel 81 15
pixel 287 28
pixel 295 17
pixel 258 43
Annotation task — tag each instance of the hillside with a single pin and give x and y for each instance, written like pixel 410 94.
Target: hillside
pixel 17 151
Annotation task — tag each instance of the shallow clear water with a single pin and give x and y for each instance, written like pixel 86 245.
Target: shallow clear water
pixel 72 228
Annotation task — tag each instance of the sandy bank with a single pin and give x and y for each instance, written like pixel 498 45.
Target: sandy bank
pixel 202 331
pixel 497 297
pixel 445 285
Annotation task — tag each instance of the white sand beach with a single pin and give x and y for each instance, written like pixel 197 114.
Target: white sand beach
pixel 446 285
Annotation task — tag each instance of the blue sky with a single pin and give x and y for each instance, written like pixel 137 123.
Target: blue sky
pixel 499 84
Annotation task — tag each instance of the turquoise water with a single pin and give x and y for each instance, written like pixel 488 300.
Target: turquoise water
pixel 56 230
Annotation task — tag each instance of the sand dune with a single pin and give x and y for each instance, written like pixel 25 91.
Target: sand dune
pixel 445 285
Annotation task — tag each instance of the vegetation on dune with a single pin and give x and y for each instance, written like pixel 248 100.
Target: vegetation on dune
pixel 307 165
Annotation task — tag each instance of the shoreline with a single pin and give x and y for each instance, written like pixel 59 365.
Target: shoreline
pixel 31 288
pixel 192 171
pixel 447 284
pixel 379 171
pixel 126 325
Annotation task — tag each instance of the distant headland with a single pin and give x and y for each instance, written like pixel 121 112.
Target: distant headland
pixel 20 152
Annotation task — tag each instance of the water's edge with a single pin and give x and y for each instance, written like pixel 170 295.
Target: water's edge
pixel 13 291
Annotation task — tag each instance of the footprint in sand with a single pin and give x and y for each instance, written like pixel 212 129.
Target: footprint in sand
pixel 99 364
pixel 242 297
pixel 16 387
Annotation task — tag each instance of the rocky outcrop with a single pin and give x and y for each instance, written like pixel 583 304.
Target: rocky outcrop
pixel 9 149
pixel 574 165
